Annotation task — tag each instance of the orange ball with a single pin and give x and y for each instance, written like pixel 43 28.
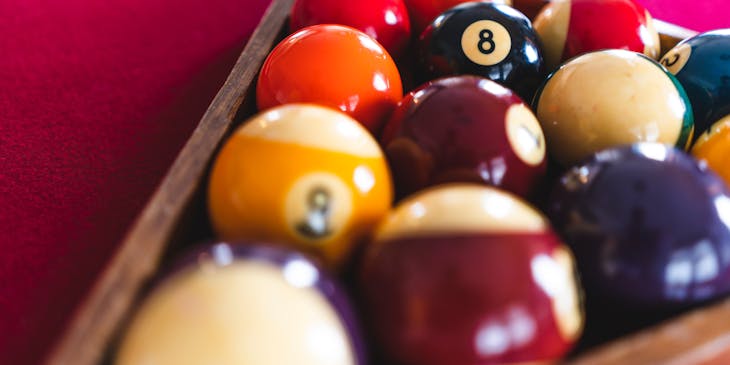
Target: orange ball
pixel 713 147
pixel 303 175
pixel 334 66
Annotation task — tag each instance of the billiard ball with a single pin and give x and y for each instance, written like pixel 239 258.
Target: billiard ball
pixel 468 129
pixel 530 7
pixel 571 28
pixel 385 20
pixel 608 98
pixel 423 12
pixel 483 39
pixel 244 304
pixel 649 227
pixel 702 65
pixel 335 66
pixel 303 175
pixel 468 274
pixel 713 147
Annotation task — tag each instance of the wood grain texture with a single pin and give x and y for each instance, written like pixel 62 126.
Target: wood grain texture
pixel 701 337
pixel 90 332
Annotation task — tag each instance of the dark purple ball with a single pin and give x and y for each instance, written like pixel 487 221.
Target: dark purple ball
pixel 650 227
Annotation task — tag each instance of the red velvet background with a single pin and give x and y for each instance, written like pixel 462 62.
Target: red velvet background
pixel 96 99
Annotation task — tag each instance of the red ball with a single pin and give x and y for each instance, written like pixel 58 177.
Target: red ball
pixel 529 7
pixel 464 129
pixel 571 28
pixel 465 274
pixel 385 20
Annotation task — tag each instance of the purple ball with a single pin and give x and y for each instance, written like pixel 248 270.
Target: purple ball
pixel 650 227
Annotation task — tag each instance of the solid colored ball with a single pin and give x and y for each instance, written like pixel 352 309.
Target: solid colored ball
pixel 483 39
pixel 467 274
pixel 385 20
pixel 302 175
pixel 713 147
pixel 464 129
pixel 252 304
pixel 610 98
pixel 571 28
pixel 530 7
pixel 702 66
pixel 649 227
pixel 334 66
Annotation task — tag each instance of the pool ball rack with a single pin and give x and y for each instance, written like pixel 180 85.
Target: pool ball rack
pixel 175 218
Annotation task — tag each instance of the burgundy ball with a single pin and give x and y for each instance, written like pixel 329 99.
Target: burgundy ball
pixel 464 129
pixel 468 274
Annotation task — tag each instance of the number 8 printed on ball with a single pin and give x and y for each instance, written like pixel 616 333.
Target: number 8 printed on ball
pixel 486 42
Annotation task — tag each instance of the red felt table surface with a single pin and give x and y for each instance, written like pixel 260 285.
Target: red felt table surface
pixel 96 99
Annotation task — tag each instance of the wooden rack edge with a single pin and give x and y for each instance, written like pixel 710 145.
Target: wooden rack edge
pixel 701 337
pixel 91 329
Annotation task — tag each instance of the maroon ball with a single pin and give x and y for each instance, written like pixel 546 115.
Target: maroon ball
pixel 464 129
pixel 466 274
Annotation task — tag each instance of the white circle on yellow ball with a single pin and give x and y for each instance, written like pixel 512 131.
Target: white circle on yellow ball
pixel 318 207
pixel 243 313
pixel 525 135
pixel 486 42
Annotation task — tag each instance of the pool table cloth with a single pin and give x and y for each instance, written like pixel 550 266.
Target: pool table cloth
pixel 96 99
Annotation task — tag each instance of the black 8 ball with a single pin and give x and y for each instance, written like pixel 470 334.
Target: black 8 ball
pixel 485 39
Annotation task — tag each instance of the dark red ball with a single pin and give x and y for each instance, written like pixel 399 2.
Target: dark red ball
pixel 464 129
pixel 466 274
